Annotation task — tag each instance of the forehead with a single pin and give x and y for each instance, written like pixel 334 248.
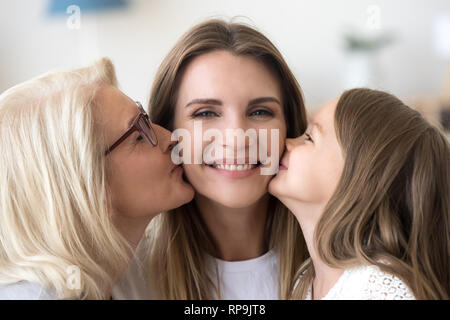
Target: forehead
pixel 325 115
pixel 111 98
pixel 114 109
pixel 222 72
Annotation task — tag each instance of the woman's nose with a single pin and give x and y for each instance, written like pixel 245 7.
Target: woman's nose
pixel 164 142
pixel 233 125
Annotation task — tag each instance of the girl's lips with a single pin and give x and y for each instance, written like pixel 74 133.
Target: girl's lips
pixel 284 162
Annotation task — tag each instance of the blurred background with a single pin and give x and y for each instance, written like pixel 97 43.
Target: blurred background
pixel 400 46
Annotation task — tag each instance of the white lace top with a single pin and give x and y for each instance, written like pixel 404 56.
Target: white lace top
pixel 367 283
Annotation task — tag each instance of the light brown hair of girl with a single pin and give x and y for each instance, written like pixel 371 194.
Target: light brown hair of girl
pixel 180 239
pixel 391 207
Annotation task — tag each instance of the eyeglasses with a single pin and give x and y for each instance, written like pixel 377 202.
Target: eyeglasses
pixel 142 124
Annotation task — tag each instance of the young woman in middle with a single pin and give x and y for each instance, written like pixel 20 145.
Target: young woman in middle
pixel 234 240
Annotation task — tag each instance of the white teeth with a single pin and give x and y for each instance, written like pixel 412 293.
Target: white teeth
pixel 232 167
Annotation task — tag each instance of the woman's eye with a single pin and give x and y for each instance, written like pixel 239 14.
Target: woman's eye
pixel 139 138
pixel 261 113
pixel 204 114
pixel 308 137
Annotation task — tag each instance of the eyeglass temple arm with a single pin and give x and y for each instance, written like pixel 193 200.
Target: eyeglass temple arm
pixel 123 137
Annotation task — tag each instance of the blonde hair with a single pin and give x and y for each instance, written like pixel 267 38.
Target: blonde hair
pixel 53 186
pixel 391 207
pixel 179 238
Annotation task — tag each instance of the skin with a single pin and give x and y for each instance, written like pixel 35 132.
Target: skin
pixel 234 208
pixel 309 173
pixel 141 177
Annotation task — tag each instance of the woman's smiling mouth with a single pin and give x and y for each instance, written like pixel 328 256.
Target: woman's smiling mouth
pixel 234 170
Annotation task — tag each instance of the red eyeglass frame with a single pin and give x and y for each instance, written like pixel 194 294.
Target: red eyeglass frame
pixel 142 124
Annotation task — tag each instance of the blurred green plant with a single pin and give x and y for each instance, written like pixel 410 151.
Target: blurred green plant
pixel 358 42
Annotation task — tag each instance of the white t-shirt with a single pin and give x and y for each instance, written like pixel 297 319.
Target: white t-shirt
pixel 367 283
pixel 254 279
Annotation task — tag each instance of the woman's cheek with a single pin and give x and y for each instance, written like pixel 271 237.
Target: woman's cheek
pixel 281 145
pixel 190 149
pixel 276 143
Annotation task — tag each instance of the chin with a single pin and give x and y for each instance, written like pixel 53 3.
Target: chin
pixel 186 194
pixel 236 199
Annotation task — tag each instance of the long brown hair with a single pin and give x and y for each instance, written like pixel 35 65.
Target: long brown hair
pixel 391 207
pixel 180 238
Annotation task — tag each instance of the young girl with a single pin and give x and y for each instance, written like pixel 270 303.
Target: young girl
pixel 83 171
pixel 369 183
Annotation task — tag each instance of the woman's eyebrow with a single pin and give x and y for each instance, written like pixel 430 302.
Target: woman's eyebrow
pixel 204 101
pixel 262 100
pixel 219 103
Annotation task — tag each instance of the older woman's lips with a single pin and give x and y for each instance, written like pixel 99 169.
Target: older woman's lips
pixel 176 168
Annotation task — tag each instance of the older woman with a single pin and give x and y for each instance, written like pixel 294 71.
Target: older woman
pixel 83 171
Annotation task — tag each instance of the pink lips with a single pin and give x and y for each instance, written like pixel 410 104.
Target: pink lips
pixel 283 164
pixel 232 161
pixel 234 174
pixel 176 168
